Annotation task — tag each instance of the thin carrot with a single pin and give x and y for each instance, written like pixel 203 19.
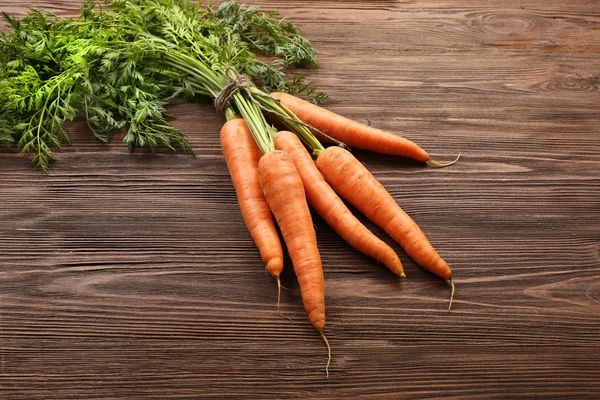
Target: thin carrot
pixel 332 209
pixel 354 182
pixel 284 192
pixel 353 133
pixel 242 156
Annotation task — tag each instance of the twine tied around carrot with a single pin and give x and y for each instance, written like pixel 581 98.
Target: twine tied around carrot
pixel 237 82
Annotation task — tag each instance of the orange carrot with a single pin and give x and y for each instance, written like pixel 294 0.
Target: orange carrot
pixel 242 156
pixel 284 192
pixel 354 182
pixel 332 209
pixel 352 133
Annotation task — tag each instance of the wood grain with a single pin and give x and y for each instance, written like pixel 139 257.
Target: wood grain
pixel 127 275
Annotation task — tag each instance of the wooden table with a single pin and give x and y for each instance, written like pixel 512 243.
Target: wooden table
pixel 133 276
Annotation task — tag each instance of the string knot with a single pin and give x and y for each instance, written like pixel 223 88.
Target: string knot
pixel 236 83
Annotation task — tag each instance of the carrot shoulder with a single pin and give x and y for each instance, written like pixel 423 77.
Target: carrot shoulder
pixel 242 156
pixel 350 132
pixel 356 184
pixel 332 209
pixel 285 195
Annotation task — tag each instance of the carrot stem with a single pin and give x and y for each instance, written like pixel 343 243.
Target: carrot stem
pixel 451 294
pixel 328 353
pixel 441 165
pixel 289 119
pixel 230 114
pixel 259 128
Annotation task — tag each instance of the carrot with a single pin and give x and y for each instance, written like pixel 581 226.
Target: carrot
pixel 332 209
pixel 242 156
pixel 284 193
pixel 353 133
pixel 354 182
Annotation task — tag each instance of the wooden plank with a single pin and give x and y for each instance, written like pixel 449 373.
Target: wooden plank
pixel 132 276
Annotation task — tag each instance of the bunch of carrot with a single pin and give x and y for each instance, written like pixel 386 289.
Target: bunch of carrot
pixel 52 69
pixel 284 181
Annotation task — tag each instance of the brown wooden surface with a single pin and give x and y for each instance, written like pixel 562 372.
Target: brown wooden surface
pixel 132 276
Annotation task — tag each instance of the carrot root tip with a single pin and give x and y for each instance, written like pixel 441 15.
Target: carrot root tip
pixel 441 165
pixel 279 299
pixel 403 275
pixel 451 294
pixel 328 353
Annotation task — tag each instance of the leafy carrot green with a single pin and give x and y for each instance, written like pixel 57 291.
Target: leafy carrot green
pixel 118 64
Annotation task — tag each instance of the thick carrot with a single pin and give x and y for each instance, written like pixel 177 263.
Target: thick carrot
pixel 352 133
pixel 285 195
pixel 354 182
pixel 242 156
pixel 332 209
